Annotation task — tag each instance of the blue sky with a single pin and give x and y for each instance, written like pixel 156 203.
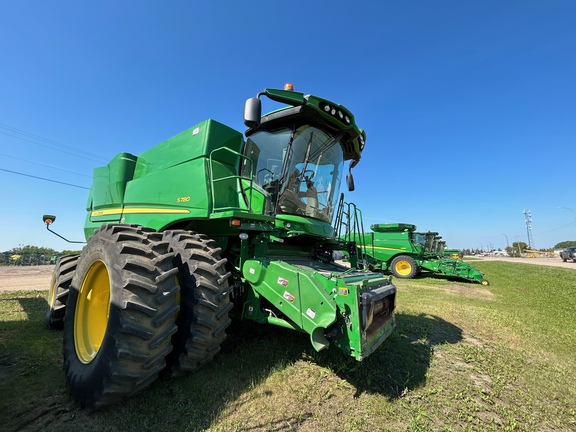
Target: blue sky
pixel 469 107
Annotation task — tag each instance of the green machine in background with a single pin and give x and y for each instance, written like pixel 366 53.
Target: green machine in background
pixel 399 249
pixel 207 225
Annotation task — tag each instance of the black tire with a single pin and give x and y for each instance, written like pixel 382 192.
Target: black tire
pixel 204 300
pixel 58 293
pixel 404 267
pixel 120 315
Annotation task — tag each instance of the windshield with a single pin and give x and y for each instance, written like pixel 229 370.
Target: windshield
pixel 419 239
pixel 298 170
pixel 430 242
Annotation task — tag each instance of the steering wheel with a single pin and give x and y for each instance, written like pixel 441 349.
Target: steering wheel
pixel 308 171
pixel 266 170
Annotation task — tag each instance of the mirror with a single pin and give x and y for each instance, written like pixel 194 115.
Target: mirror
pixel 350 181
pixel 252 112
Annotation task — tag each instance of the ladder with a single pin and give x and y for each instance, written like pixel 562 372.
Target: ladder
pixel 349 226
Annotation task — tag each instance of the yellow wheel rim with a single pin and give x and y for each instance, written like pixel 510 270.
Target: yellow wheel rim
pixel 92 310
pixel 403 268
pixel 52 293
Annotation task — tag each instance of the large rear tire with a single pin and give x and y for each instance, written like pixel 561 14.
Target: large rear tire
pixel 58 293
pixel 204 300
pixel 404 267
pixel 120 315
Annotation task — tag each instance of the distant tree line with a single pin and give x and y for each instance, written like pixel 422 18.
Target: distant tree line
pixel 564 244
pixel 32 255
pixel 519 248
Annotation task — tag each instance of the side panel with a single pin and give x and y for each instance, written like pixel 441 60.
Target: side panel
pixel 108 191
pixel 109 182
pixel 299 296
pixel 183 186
pixel 383 246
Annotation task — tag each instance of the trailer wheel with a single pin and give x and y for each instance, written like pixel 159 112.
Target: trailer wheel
pixel 404 267
pixel 58 293
pixel 204 300
pixel 120 315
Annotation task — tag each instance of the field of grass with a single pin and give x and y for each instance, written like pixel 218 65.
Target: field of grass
pixel 463 358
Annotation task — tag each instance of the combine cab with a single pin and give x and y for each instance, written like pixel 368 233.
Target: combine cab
pixel 208 225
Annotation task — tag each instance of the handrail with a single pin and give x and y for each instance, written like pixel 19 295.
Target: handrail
pixel 239 177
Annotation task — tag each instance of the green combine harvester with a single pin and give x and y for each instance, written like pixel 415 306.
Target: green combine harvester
pixel 206 226
pixel 399 249
pixel 404 252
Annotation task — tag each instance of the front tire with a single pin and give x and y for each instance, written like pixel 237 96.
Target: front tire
pixel 59 289
pixel 404 267
pixel 120 315
pixel 204 300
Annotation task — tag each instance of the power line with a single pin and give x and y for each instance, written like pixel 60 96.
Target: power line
pixel 50 147
pixel 46 165
pixel 45 179
pixel 557 228
pixel 52 143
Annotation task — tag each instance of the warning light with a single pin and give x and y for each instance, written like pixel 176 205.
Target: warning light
pixel 48 219
pixel 236 222
pixel 289 86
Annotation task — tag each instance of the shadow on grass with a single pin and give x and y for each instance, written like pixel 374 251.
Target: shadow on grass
pixel 402 361
pixel 253 352
pixel 249 356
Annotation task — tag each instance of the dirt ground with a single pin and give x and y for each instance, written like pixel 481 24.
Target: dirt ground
pixel 24 278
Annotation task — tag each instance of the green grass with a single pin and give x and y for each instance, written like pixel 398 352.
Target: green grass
pixel 463 358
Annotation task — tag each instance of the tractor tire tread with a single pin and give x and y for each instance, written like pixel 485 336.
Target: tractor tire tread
pixel 59 290
pixel 205 300
pixel 141 319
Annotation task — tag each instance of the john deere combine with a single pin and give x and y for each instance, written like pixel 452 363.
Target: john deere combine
pixel 206 225
pixel 399 249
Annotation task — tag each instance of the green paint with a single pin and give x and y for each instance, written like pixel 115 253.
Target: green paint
pixel 277 189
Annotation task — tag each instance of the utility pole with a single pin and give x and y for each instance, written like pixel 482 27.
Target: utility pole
pixel 518 245
pixel 528 220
